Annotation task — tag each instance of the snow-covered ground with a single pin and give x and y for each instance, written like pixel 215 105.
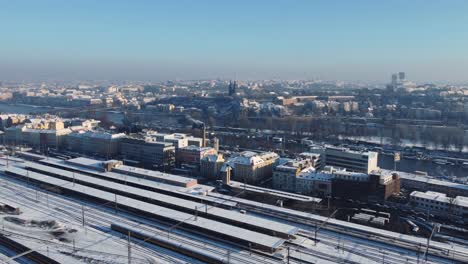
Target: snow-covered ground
pixel 48 230
pixel 63 240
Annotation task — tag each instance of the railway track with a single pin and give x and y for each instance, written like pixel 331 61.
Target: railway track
pixel 376 255
pixel 102 215
pixel 98 218
pixel 69 248
pixel 56 207
pixel 434 251
pixel 28 253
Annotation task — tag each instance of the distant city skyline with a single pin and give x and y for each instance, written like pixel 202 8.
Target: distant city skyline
pixel 285 39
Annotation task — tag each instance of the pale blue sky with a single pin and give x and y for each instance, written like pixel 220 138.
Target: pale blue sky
pixel 158 40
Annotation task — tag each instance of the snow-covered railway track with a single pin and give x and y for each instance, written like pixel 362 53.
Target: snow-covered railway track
pixel 23 195
pixel 101 217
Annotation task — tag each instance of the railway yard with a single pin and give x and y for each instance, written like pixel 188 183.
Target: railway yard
pixel 56 211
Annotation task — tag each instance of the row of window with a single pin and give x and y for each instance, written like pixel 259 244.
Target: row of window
pixel 432 206
pixel 428 200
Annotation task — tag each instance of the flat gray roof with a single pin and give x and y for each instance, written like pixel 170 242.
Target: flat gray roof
pixel 288 195
pixel 428 179
pixel 82 161
pixel 157 175
pixel 191 205
pixel 130 178
pixel 189 219
pixel 78 163
pixel 332 221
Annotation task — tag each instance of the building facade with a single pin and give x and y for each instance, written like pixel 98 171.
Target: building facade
pixel 355 161
pixel 97 143
pixel 193 154
pixel 251 167
pixel 440 204
pixel 148 154
pixel 210 166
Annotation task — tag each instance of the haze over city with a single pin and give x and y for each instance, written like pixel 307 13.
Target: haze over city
pixel 160 40
pixel 234 132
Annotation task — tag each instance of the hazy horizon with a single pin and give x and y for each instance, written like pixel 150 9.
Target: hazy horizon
pixel 161 40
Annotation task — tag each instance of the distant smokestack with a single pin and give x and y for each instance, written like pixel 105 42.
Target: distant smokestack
pixel 216 144
pixel 204 136
pixel 197 124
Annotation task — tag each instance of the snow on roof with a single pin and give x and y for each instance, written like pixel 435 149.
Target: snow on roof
pixel 195 148
pixel 440 197
pixel 310 155
pixel 211 158
pixel 252 158
pixel 130 178
pixel 44 131
pixel 283 194
pixel 272 209
pixel 429 195
pixel 461 201
pixel 82 161
pixel 153 174
pixel 199 222
pixel 428 179
pixel 97 134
